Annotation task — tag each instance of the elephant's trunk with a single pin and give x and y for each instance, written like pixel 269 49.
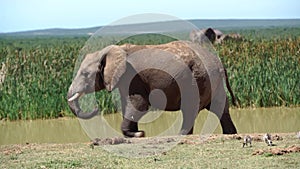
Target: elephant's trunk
pixel 75 107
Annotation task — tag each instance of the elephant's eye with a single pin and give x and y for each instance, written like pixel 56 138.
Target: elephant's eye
pixel 85 74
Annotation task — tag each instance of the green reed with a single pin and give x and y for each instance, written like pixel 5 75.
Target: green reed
pixel 37 77
pixel 262 71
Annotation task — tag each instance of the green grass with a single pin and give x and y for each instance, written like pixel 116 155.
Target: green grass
pixel 263 71
pixel 215 153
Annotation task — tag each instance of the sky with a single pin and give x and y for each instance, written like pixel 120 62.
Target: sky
pixel 23 15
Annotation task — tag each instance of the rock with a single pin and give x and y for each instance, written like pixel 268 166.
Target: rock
pixel 278 151
pixel 109 141
pixel 258 152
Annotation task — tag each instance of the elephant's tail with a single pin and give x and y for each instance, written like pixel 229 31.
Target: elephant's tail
pixel 233 100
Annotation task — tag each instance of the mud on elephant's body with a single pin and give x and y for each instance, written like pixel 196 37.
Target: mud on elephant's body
pixel 162 76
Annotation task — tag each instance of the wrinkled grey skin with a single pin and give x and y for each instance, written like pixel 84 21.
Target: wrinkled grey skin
pixel 215 36
pixel 168 77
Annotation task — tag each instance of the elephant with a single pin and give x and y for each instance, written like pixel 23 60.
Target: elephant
pixel 215 36
pixel 170 77
pixel 233 37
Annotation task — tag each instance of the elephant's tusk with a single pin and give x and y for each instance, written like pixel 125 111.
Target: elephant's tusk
pixel 74 97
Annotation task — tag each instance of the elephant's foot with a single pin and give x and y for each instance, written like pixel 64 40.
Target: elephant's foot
pixel 136 134
pixel 186 131
pixel 230 130
pixel 130 129
pixel 139 134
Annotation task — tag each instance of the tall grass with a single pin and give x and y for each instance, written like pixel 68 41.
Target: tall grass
pixel 262 72
pixel 38 74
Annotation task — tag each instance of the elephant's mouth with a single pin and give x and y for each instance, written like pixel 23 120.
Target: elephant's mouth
pixel 73 102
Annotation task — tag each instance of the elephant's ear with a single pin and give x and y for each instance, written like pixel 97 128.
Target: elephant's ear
pixel 114 66
pixel 210 34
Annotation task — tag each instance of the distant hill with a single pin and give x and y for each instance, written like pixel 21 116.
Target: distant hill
pixel 219 24
pixel 246 23
pixel 55 32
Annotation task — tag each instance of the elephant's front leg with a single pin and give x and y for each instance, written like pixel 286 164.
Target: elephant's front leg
pixel 133 108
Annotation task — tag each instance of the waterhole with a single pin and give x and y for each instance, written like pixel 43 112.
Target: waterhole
pixel 68 130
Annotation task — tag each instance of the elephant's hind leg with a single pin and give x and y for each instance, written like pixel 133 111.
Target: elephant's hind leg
pixel 226 122
pixel 220 107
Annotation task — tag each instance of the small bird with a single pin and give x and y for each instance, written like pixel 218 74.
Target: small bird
pixel 268 139
pixel 247 139
pixel 298 134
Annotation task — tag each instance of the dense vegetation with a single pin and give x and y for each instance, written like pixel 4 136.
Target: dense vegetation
pixel 263 71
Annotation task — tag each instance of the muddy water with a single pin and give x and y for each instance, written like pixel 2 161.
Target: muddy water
pixel 69 130
pixel 42 131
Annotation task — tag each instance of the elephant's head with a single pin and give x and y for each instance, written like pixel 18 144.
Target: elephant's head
pixel 97 71
pixel 213 35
